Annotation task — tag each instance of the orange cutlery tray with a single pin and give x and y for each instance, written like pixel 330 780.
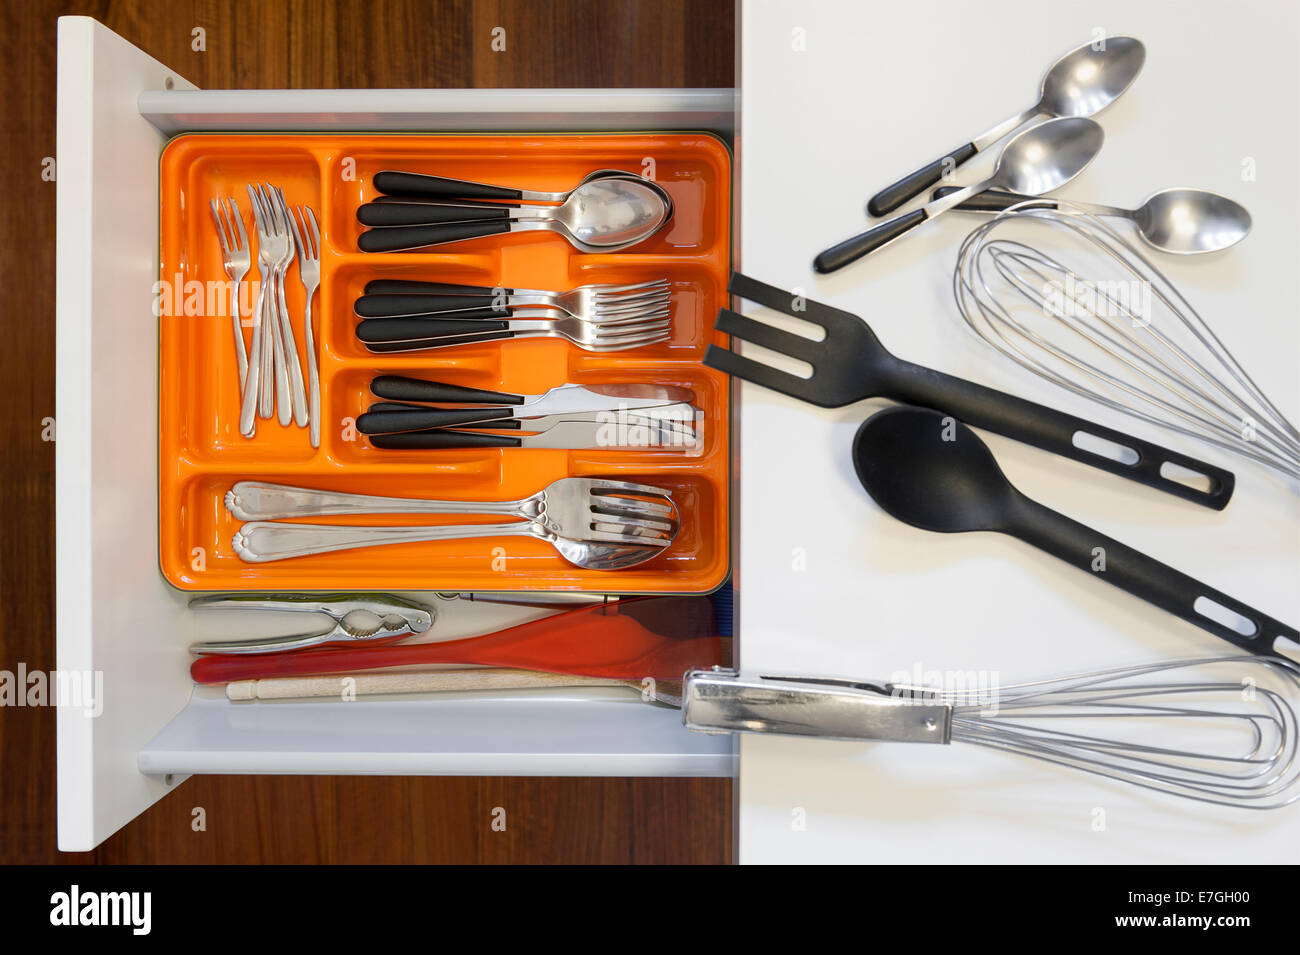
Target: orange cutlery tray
pixel 201 452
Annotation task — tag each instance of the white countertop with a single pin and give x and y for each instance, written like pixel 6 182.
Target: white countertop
pixel 829 584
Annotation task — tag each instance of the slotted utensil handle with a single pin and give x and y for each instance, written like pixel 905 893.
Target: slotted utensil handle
pixel 1055 431
pixel 913 184
pixel 1143 576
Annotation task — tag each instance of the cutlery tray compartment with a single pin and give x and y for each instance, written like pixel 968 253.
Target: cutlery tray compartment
pixel 201 452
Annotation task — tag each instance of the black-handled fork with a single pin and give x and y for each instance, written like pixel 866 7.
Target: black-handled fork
pixel 850 364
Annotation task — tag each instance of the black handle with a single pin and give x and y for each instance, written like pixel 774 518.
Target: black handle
pixel 437 187
pixel 448 306
pixel 850 250
pixel 407 419
pixel 401 388
pixel 376 331
pixel 992 200
pixel 1142 576
pixel 508 424
pixel 427 440
pixel 411 287
pixel 445 342
pixel 1054 431
pixel 891 197
pixel 400 238
pixel 424 213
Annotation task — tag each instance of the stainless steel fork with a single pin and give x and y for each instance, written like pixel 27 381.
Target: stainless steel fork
pixel 236 261
pixel 307 234
pixel 599 304
pixel 259 355
pixel 410 334
pixel 293 368
pixel 272 246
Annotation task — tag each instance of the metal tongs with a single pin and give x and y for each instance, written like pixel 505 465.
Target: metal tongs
pixel 724 701
pixel 358 619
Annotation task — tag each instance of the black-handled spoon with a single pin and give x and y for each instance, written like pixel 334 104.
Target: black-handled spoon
pixel 931 471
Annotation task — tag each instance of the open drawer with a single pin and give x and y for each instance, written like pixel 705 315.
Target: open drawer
pixel 116 617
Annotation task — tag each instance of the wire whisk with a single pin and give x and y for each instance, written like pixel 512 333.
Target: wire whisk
pixel 1123 725
pixel 1099 319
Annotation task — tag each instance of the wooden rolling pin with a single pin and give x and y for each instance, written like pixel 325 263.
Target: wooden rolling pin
pixel 487 678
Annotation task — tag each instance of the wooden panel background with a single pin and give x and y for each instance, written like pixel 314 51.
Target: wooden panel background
pixel 303 44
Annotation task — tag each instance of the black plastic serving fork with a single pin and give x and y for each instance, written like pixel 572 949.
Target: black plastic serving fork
pixel 850 364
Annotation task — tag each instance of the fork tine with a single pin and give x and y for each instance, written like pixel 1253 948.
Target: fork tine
pixel 649 490
pixel 619 289
pixel 609 534
pixel 315 233
pixel 622 336
pixel 641 507
pixel 293 226
pixel 631 519
pixel 757 372
pixel 768 336
pixel 221 229
pixel 239 222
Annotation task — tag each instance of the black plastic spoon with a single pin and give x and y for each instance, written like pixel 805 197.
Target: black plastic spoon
pixel 931 471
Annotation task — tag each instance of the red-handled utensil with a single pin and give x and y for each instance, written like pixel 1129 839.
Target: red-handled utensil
pixel 635 638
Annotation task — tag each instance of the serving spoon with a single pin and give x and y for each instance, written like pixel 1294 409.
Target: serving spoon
pixel 931 471
pixel 1083 82
pixel 1038 160
pixel 1181 221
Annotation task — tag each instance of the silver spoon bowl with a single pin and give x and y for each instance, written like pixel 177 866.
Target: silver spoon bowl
pixel 1181 221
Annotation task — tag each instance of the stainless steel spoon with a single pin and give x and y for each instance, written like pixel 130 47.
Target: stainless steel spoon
pixel 1181 221
pixel 601 215
pixel 1083 82
pixel 1038 160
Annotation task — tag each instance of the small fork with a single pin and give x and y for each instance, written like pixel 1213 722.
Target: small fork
pixel 307 233
pixel 236 260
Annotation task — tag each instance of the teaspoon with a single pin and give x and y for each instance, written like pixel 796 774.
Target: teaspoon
pixel 1181 221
